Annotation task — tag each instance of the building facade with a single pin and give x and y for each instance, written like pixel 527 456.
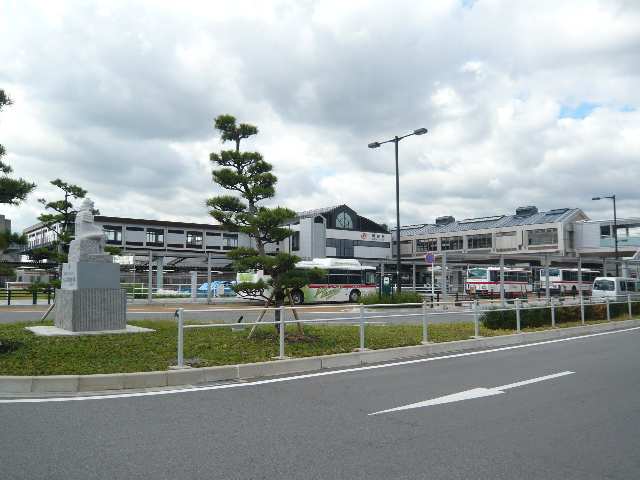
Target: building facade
pixel 528 231
pixel 336 232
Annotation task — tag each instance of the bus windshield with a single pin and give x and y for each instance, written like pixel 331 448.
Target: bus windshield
pixel 607 285
pixel 477 273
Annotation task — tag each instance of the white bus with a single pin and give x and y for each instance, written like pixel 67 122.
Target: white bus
pixel 346 280
pixel 485 282
pixel 615 288
pixel 565 280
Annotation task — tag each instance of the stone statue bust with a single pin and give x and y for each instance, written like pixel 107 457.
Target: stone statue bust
pixel 89 242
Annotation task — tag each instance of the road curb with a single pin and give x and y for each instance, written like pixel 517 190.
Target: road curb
pixel 193 376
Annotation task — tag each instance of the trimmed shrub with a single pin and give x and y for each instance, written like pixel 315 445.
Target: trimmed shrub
pixel 404 297
pixel 506 320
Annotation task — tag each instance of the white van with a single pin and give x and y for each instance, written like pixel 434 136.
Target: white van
pixel 615 288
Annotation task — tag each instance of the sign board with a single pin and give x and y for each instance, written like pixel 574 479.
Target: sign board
pixel 430 258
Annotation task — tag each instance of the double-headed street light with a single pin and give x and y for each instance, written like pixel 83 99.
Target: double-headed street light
pixel 396 140
pixel 615 227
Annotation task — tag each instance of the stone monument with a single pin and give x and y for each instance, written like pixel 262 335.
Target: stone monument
pixel 90 298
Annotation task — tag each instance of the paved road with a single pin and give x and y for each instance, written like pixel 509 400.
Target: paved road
pixel 584 425
pixel 413 315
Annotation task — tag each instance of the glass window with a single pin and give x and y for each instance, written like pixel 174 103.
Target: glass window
pixel 543 236
pixel 230 240
pixel 479 241
pixel 295 241
pixel 369 277
pixel 344 220
pixel 194 239
pixel 451 243
pixel 427 245
pixel 114 234
pixel 477 273
pixel 155 237
pixel 606 285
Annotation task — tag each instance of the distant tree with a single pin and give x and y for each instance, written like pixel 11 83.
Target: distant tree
pixel 59 217
pixel 12 190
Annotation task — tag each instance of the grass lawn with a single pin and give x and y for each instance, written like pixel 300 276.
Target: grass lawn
pixel 23 353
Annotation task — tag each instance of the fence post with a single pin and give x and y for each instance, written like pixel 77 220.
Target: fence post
pixel 476 326
pixel 361 328
pixel 629 303
pixel 552 303
pixel 282 327
pixel 582 309
pixel 425 324
pixel 608 309
pixel 518 315
pixel 179 314
pixel 8 296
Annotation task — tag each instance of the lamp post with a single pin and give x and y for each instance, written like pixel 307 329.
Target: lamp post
pixel 615 228
pixel 396 140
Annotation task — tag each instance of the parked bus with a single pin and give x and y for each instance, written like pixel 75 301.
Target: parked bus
pixel 485 282
pixel 565 280
pixel 615 288
pixel 345 280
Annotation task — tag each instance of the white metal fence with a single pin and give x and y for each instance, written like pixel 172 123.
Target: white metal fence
pixel 472 309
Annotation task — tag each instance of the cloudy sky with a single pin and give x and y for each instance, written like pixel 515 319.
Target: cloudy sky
pixel 527 103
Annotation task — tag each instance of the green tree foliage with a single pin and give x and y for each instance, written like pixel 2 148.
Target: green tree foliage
pixel 249 176
pixel 12 190
pixel 59 217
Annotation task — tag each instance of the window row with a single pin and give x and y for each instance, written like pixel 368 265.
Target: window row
pixel 155 237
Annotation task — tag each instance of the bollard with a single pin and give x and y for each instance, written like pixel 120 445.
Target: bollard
pixel 518 315
pixel 553 312
pixel 608 309
pixel 361 328
pixel 629 304
pixel 476 326
pixel 282 327
pixel 49 296
pixel 179 314
pixel 582 309
pixel 431 301
pixel 425 325
pixel 8 296
pixel 34 294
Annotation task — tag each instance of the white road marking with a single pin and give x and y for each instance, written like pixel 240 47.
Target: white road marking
pixel 307 375
pixel 471 394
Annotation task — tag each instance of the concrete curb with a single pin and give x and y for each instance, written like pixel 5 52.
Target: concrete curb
pixel 194 376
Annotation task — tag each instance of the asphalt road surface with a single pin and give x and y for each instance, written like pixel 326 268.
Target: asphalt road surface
pixel 567 409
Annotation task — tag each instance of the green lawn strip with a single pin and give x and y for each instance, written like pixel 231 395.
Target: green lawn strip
pixel 28 354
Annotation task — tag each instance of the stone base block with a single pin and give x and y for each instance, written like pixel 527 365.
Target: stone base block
pixel 47 331
pixel 91 309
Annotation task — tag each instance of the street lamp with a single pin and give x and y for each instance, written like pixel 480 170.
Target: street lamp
pixel 615 227
pixel 396 140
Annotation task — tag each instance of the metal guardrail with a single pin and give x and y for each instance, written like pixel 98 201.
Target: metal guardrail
pixel 476 310
pixel 9 296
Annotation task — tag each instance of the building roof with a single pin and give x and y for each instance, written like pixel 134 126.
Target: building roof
pixel 499 221
pixel 318 211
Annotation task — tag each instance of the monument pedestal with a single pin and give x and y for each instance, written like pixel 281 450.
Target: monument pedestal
pixel 91 309
pixel 90 298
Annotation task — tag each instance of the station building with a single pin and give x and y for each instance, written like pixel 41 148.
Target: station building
pixel 336 232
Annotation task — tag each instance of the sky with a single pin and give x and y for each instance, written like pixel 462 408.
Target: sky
pixel 526 103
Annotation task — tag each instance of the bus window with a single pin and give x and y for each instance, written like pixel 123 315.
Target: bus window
pixel 369 277
pixel 477 273
pixel 623 286
pixel 493 276
pixel 631 286
pixel 604 285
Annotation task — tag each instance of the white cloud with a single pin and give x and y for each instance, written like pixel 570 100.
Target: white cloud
pixel 120 98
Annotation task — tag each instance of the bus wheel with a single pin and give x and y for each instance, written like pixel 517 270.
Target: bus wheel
pixel 298 297
pixel 354 296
